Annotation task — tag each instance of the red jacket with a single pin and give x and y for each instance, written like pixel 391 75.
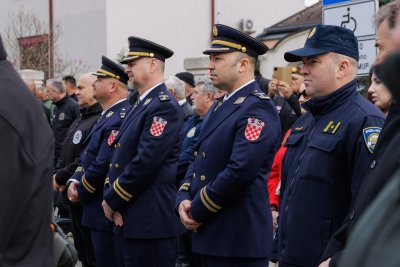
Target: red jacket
pixel 274 178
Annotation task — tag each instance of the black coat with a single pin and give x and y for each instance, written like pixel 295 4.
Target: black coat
pixel 73 144
pixel 26 163
pixel 65 112
pixel 187 110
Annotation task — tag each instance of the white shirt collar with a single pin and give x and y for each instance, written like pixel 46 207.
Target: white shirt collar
pixel 181 102
pixel 148 91
pixel 226 97
pixel 104 111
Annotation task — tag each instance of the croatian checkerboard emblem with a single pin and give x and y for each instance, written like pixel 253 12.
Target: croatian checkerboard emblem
pixel 371 135
pixel 253 129
pixel 112 137
pixel 158 126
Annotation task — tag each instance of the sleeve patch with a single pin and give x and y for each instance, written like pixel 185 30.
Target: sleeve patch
pixel 158 126
pixel 253 129
pixel 371 135
pixel 112 137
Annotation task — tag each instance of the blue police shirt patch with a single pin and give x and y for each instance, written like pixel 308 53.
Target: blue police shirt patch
pixel 371 135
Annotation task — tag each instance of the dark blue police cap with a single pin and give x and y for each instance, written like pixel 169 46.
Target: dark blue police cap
pixel 227 39
pixel 111 69
pixel 139 47
pixel 326 38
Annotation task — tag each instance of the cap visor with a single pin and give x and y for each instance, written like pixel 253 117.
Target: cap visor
pixel 298 54
pixel 99 74
pixel 128 59
pixel 219 50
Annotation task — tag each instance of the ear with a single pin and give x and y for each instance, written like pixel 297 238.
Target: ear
pixel 243 64
pixel 343 67
pixel 210 96
pixel 153 65
pixel 113 86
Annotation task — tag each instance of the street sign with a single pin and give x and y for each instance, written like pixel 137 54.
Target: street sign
pixel 367 52
pixel 355 15
pixel 331 2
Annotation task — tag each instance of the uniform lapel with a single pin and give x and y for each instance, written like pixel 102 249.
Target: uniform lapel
pixel 104 118
pixel 140 108
pixel 216 116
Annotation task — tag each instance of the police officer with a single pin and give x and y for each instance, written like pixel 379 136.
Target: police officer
pixel 140 199
pixel 69 161
pixel 26 162
pixel 329 148
pixel 223 197
pixel 87 183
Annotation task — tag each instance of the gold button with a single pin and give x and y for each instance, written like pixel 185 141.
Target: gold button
pixel 115 146
pixel 204 155
pixel 195 153
pixel 202 177
pixel 119 145
pixel 194 175
pixel 116 165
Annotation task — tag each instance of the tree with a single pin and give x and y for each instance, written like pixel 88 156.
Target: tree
pixel 28 39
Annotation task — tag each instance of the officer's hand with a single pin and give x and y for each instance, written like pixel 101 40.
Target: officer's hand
pixel 275 215
pixel 72 192
pixel 272 87
pixel 108 211
pixel 285 89
pixel 325 263
pixel 184 214
pixel 117 217
pixel 55 185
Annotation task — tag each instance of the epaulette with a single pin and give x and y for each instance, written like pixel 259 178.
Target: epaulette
pixel 122 113
pixel 163 97
pixel 260 95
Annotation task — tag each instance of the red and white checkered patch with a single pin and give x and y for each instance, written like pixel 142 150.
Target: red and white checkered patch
pixel 253 129
pixel 112 137
pixel 158 126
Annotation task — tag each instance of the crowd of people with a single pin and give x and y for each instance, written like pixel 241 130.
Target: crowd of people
pixel 230 169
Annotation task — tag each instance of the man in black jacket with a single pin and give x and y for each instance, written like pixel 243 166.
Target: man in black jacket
pixel 65 112
pixel 69 161
pixel 26 162
pixel 386 152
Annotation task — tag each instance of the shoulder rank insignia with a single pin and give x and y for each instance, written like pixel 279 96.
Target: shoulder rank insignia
pixel 109 114
pixel 122 113
pixel 240 100
pixel 331 127
pixel 148 100
pixel 163 97
pixel 299 129
pixel 260 95
pixel 371 135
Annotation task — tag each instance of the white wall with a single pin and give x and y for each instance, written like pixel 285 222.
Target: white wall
pixel 263 13
pixel 83 27
pixel 183 26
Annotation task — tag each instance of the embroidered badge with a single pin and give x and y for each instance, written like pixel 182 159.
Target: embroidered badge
pixel 77 137
pixel 253 129
pixel 147 101
pixel 331 127
pixel 158 126
pixel 371 135
pixel 191 133
pixel 109 114
pixel 61 117
pixel 112 137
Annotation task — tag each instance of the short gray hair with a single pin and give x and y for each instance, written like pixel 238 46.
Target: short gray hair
pixel 206 86
pixel 389 12
pixel 177 85
pixel 56 84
